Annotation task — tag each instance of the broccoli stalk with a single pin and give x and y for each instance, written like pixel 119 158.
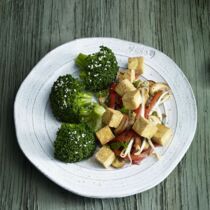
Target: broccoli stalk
pixel 88 111
pixel 82 102
pixel 81 61
pixel 94 120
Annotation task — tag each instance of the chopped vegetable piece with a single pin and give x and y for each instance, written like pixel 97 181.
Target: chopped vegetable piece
pixel 132 99
pixel 124 86
pixel 153 147
pixel 118 145
pixel 128 74
pixel 102 96
pixel 163 135
pixel 125 136
pixel 118 163
pixel 112 117
pixel 156 87
pixel 105 135
pixel 154 119
pixel 123 125
pixel 112 95
pixel 126 152
pixel 136 63
pixel 105 156
pixel 152 103
pixel 144 128
pixel 136 159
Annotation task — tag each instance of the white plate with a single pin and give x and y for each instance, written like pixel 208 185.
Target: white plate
pixel 36 127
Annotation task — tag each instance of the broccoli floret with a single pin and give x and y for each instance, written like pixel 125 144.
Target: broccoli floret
pixel 97 70
pixel 62 95
pixel 74 142
pixel 88 111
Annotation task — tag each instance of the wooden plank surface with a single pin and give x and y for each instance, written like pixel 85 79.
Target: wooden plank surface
pixel 31 28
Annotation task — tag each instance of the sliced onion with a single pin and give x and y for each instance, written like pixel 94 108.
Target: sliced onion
pixel 140 148
pixel 154 119
pixel 158 86
pixel 159 101
pixel 123 125
pixel 127 151
pixel 153 148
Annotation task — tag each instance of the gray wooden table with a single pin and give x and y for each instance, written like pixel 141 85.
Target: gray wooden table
pixel 31 28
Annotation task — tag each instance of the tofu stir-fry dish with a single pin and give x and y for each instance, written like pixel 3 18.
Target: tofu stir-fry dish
pixel 109 112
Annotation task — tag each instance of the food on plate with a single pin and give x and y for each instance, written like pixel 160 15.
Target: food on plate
pixel 70 103
pixel 136 63
pixel 97 70
pixel 123 87
pixel 112 117
pixel 132 99
pixel 122 113
pixel 74 142
pixel 126 74
pixel 144 128
pixel 88 111
pixel 62 96
pixel 105 156
pixel 105 135
pixel 118 162
pixel 163 135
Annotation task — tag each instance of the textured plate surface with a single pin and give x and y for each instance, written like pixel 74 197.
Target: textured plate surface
pixel 36 127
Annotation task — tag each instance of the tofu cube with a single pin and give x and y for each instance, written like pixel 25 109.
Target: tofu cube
pixel 105 135
pixel 144 128
pixel 163 135
pixel 105 156
pixel 112 117
pixel 124 86
pixel 132 99
pixel 128 74
pixel 136 63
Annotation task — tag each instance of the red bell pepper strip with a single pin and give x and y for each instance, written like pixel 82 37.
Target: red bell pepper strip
pixel 152 103
pixel 125 136
pixel 112 95
pixel 136 159
pixel 138 111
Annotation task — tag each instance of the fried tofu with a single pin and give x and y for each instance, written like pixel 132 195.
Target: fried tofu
pixel 112 117
pixel 132 99
pixel 105 135
pixel 144 128
pixel 163 135
pixel 136 63
pixel 124 86
pixel 105 156
pixel 128 74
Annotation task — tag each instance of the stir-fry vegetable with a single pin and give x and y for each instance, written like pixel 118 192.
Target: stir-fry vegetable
pixel 152 103
pixel 133 140
pixel 126 118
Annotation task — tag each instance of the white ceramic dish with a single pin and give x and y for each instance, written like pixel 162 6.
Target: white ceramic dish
pixel 36 127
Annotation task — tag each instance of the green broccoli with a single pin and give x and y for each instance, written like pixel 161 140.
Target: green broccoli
pixel 94 119
pixel 74 142
pixel 88 111
pixel 62 95
pixel 97 70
